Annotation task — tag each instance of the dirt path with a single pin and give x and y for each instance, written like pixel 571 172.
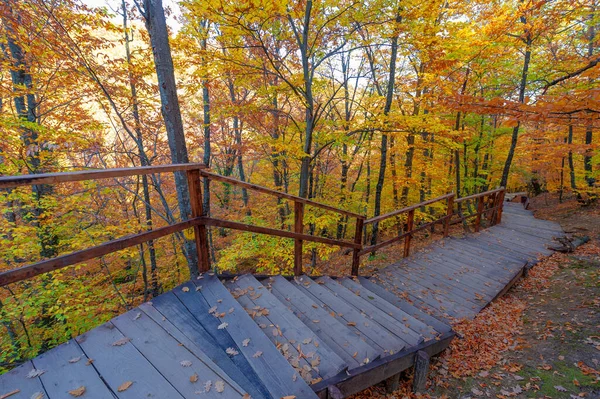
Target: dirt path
pixel 540 340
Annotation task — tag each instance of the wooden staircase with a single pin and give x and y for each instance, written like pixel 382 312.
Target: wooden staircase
pixel 302 336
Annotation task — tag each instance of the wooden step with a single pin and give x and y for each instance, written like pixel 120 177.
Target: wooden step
pixel 463 292
pixel 417 326
pixel 276 374
pixel 403 304
pixel 374 334
pixel 338 336
pixel 15 382
pixel 393 326
pixel 189 314
pixel 436 298
pixel 67 368
pixel 176 363
pixel 294 339
pixel 119 363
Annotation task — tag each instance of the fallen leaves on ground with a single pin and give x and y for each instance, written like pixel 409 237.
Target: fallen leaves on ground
pixel 124 386
pixel 77 392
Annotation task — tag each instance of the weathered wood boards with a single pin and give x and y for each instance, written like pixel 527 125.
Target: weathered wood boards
pixel 275 337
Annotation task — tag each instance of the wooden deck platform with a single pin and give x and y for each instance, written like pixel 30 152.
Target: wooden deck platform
pixel 277 337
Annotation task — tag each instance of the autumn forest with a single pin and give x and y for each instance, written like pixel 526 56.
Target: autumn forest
pixel 367 106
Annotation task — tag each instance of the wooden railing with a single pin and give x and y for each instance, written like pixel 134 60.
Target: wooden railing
pixel 488 203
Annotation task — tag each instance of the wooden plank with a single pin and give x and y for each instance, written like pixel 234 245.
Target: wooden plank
pixel 119 362
pixel 372 332
pixel 385 293
pixel 437 260
pixel 436 311
pixel 482 259
pixel 68 368
pixel 410 224
pixel 471 278
pixel 491 270
pixel 393 326
pixel 515 245
pixel 291 327
pixel 278 194
pixel 384 368
pixel 95 174
pixel 274 232
pixel 275 332
pixel 273 369
pixel 449 213
pixel 170 357
pixel 45 266
pixel 349 346
pixel 358 233
pixel 438 298
pixel 407 209
pixel 548 237
pixel 479 247
pixel 420 328
pixel 194 347
pixel 298 228
pixel 483 194
pixel 523 235
pixel 188 311
pixel 16 382
pixel 447 287
pixel 200 233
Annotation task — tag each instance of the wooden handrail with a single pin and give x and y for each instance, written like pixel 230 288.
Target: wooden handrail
pixel 199 221
pixel 474 196
pixel 49 265
pixel 94 174
pixel 275 232
pixel 407 209
pixel 279 194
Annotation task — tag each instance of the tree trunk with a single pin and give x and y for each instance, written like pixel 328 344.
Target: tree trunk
pixel 570 159
pixel 154 16
pixel 522 86
pixel 386 110
pixel 587 159
pixel 143 160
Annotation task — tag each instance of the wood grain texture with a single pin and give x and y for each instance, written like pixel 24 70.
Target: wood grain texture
pixel 67 369
pixel 97 174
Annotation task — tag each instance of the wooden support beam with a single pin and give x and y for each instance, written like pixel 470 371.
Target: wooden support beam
pixel 200 233
pixel 410 224
pixel 356 252
pixel 334 392
pixel 421 370
pixel 449 213
pixel 298 229
pixel 501 206
pixel 480 203
pixel 392 384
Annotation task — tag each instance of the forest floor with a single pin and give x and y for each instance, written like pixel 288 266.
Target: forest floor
pixel 541 339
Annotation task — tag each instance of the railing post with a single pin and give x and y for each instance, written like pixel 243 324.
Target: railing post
pixel 200 234
pixel 480 203
pixel 500 206
pixel 357 240
pixel 449 213
pixel 298 228
pixel 410 223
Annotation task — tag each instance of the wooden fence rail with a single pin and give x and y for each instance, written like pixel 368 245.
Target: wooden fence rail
pixel 488 203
